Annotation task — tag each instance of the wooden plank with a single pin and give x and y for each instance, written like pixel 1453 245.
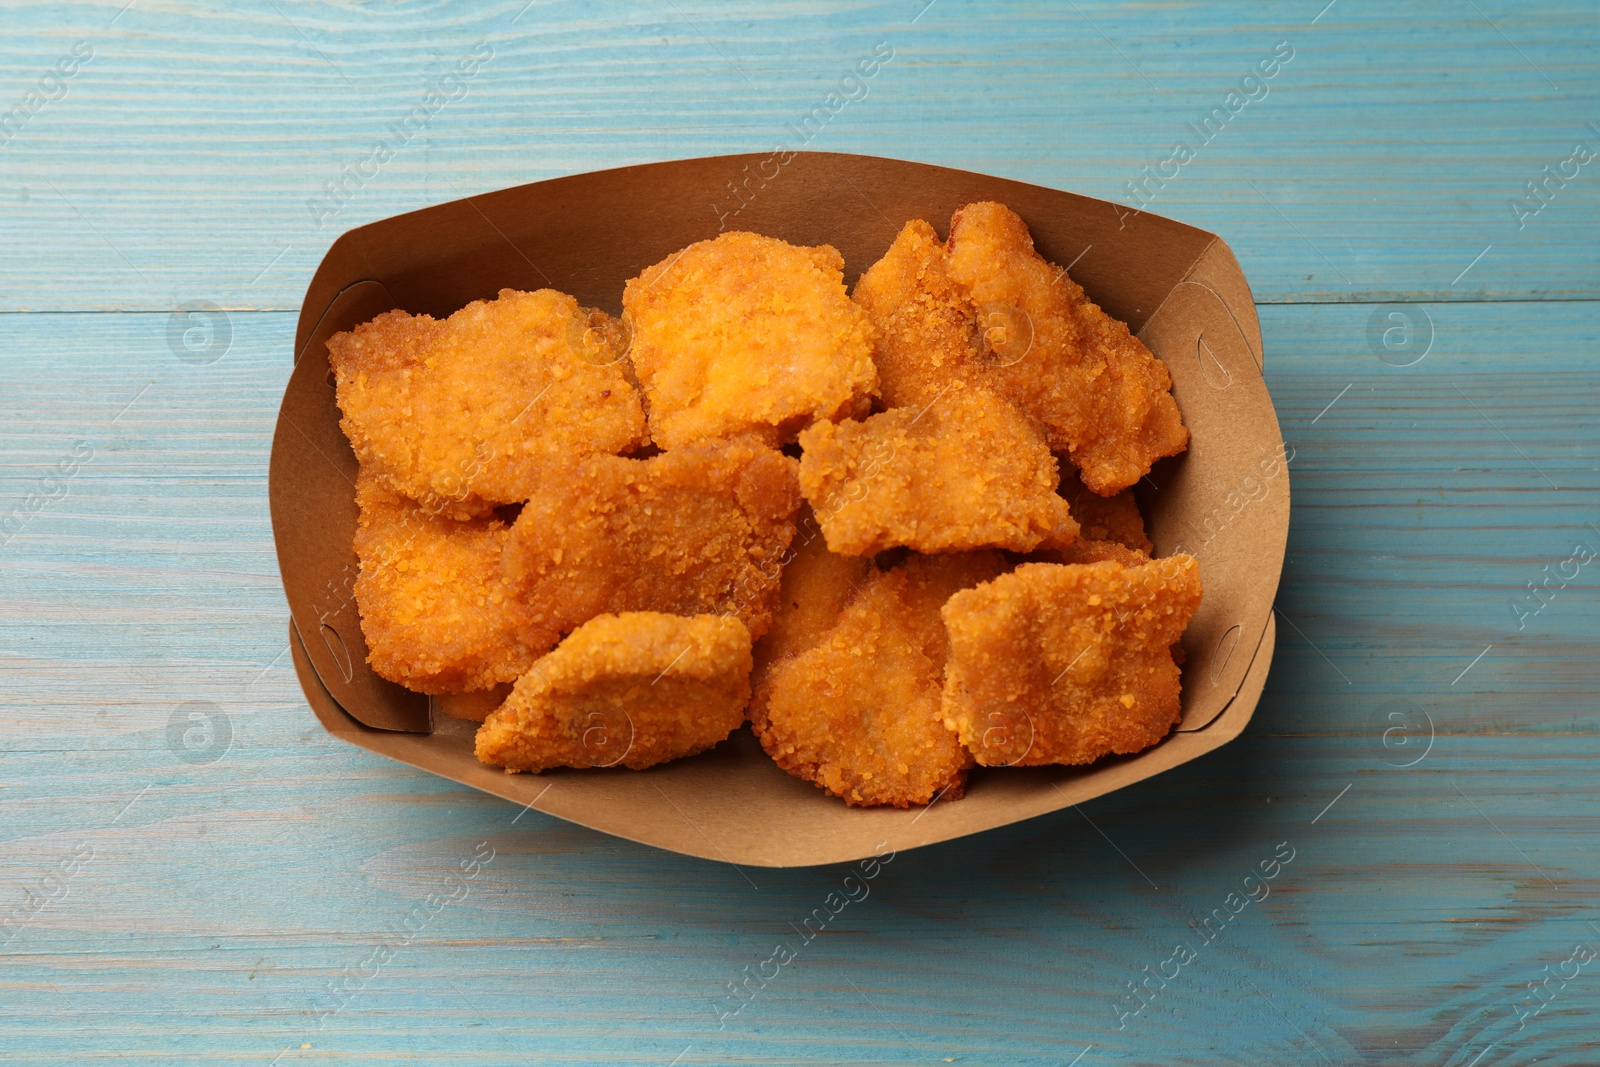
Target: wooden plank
pixel 1381 161
pixel 231 883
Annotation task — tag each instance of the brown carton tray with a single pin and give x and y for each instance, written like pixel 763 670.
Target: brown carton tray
pixel 1226 500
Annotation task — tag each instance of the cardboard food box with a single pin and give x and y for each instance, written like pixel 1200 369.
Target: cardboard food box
pixel 1226 500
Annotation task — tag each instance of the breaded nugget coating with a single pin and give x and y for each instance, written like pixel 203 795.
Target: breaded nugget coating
pixel 635 690
pixel 1061 663
pixel 927 324
pixel 1101 395
pixel 435 609
pixel 1085 550
pixel 812 593
pixel 460 414
pixel 1106 518
pixel 859 715
pixel 747 334
pixel 966 471
pixel 698 530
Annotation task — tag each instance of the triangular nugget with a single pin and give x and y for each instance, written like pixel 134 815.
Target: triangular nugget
pixel 859 714
pixel 1099 392
pixel 633 690
pixel 928 330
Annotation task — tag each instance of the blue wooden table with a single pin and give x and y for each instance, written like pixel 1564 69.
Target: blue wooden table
pixel 192 871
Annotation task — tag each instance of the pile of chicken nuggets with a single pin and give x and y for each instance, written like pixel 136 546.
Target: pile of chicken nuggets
pixel 892 529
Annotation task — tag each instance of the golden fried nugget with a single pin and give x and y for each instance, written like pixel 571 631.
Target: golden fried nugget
pixel 859 715
pixel 1101 395
pixel 459 415
pixel 1065 664
pixel 701 529
pixel 1106 518
pixel 966 471
pixel 927 323
pixel 435 609
pixel 747 334
pixel 812 593
pixel 635 689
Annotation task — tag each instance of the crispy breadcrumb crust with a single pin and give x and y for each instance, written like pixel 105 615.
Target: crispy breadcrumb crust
pixel 747 334
pixel 927 324
pixel 966 471
pixel 435 609
pixel 460 414
pixel 1058 663
pixel 1085 550
pixel 1102 396
pixel 634 690
pixel 700 529
pixel 859 714
pixel 812 593
pixel 1106 518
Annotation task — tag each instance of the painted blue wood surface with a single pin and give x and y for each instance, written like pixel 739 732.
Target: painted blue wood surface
pixel 224 888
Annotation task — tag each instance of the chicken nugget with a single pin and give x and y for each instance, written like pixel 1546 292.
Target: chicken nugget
pixel 460 414
pixel 635 689
pixel 966 471
pixel 1061 663
pixel 435 609
pixel 1106 518
pixel 859 715
pixel 812 593
pixel 698 530
pixel 747 334
pixel 1102 396
pixel 927 323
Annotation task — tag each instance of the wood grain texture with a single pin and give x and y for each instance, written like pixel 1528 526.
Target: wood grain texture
pixel 179 164
pixel 232 875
